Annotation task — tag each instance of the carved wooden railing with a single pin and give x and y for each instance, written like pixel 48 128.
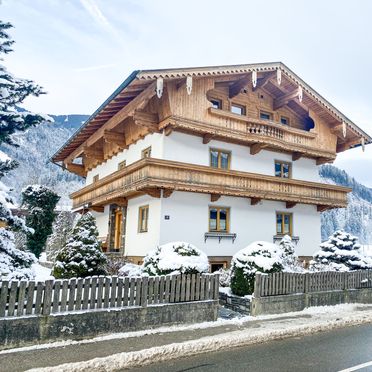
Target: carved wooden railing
pixel 242 129
pixel 151 175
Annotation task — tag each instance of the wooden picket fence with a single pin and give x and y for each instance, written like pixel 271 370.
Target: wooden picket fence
pixel 278 284
pixel 22 298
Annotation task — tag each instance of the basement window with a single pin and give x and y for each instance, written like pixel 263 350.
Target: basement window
pixel 237 109
pixel 215 266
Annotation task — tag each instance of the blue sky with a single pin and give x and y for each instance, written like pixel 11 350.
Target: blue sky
pixel 81 50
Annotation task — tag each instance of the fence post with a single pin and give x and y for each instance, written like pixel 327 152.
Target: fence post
pixel 47 302
pixel 144 291
pixel 216 286
pixel 306 282
pixel 257 285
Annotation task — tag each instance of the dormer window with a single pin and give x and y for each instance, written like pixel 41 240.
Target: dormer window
pixel 237 109
pixel 216 103
pixel 265 115
pixel 122 164
pixel 95 178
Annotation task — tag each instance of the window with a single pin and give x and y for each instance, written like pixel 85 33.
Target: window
pixel 118 229
pixel 220 158
pixel 219 219
pixel 95 178
pixel 146 153
pixel 215 266
pixel 283 169
pixel 283 223
pixel 143 217
pixel 237 109
pixel 265 115
pixel 284 120
pixel 216 103
pixel 122 164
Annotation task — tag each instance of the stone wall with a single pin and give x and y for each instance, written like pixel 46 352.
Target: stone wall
pixel 298 302
pixel 240 304
pixel 33 329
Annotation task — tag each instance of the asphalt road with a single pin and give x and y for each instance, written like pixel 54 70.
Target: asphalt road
pixel 327 351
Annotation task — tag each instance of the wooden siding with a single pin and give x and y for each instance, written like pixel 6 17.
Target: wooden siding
pixel 150 175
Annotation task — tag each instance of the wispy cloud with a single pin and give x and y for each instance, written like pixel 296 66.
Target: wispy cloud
pixel 92 8
pixel 94 68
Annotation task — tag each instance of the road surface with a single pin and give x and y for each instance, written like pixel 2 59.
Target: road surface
pixel 327 351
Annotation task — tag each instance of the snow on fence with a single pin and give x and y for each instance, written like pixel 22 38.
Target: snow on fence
pixel 290 283
pixel 19 298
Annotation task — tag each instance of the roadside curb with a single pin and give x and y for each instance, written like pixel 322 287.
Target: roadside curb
pixel 229 340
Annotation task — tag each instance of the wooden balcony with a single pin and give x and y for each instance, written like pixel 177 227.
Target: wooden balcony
pixel 249 131
pixel 158 177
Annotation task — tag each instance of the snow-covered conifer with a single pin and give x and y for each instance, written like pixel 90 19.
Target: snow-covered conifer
pixel 82 255
pixel 62 228
pixel 40 202
pixel 289 258
pixel 341 252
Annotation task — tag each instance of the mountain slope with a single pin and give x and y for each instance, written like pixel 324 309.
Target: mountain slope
pixel 36 146
pixel 357 217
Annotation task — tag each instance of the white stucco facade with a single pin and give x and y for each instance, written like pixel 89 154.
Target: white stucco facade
pixel 184 215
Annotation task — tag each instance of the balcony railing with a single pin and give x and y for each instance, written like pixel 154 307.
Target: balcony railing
pixel 242 129
pixel 152 175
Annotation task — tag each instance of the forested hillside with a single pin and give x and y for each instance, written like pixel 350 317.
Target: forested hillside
pixel 357 217
pixel 36 146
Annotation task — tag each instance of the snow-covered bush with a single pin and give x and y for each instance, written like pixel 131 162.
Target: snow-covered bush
pixel 82 255
pixel 175 258
pixel 341 252
pixel 131 269
pixel 225 277
pixel 289 258
pixel 260 257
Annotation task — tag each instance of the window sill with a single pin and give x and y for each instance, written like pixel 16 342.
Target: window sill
pixel 219 236
pixel 278 238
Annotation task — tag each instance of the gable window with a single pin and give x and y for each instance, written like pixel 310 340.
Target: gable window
pixel 220 158
pixel 122 164
pixel 146 153
pixel 237 109
pixel 95 178
pixel 143 217
pixel 216 103
pixel 283 169
pixel 284 120
pixel 265 115
pixel 219 219
pixel 283 223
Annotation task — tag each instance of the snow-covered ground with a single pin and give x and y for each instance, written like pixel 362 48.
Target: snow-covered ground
pixel 309 321
pixel 41 273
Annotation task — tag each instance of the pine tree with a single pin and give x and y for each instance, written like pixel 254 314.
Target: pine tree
pixel 341 252
pixel 14 263
pixel 82 255
pixel 40 202
pixel 62 228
